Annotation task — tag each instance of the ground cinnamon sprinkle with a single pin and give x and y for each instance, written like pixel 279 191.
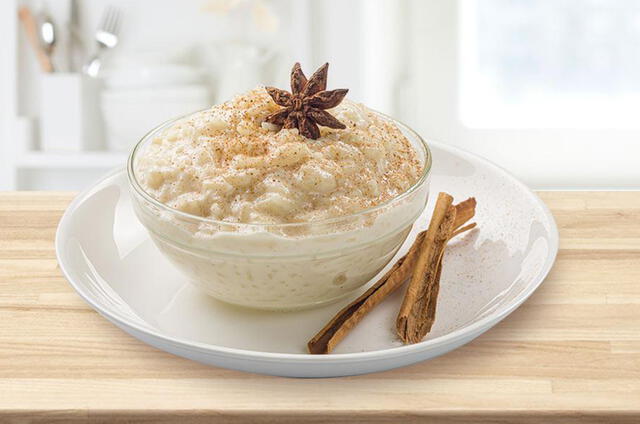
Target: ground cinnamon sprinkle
pixel 226 163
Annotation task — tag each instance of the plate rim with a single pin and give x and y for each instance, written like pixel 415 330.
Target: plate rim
pixel 397 351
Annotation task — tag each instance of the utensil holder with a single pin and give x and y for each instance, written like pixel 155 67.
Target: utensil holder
pixel 70 118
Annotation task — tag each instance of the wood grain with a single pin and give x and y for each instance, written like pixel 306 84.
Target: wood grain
pixel 571 354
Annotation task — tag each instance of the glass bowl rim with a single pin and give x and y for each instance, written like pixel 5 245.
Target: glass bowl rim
pixel 133 182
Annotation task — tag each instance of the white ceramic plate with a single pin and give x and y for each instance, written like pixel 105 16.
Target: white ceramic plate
pixel 108 258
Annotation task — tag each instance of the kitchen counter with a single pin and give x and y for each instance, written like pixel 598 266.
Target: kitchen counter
pixel 570 354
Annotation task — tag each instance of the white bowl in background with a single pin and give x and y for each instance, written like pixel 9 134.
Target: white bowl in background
pixel 130 112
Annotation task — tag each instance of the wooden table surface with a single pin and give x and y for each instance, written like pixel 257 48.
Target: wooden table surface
pixel 570 354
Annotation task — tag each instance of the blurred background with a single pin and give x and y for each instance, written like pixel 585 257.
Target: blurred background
pixel 548 89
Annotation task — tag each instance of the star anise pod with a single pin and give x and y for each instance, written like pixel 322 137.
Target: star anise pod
pixel 304 107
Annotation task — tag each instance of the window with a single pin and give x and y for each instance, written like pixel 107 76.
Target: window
pixel 550 63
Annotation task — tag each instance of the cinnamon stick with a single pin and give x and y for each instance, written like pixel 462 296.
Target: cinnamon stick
pixel 414 320
pixel 462 229
pixel 465 211
pixel 349 316
pixel 424 307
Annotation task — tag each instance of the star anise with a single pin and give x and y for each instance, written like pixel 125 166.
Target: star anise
pixel 304 107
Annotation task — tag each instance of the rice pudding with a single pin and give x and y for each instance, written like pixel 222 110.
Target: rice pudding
pixel 227 164
pixel 261 216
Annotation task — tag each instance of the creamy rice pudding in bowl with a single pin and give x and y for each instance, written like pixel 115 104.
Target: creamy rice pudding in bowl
pixel 258 215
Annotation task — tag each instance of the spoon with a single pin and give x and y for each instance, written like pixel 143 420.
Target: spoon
pixel 47 34
pixel 31 29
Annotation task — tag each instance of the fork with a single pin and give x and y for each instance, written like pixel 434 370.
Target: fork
pixel 106 38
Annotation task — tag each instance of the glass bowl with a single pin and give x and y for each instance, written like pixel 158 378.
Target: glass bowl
pixel 282 266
